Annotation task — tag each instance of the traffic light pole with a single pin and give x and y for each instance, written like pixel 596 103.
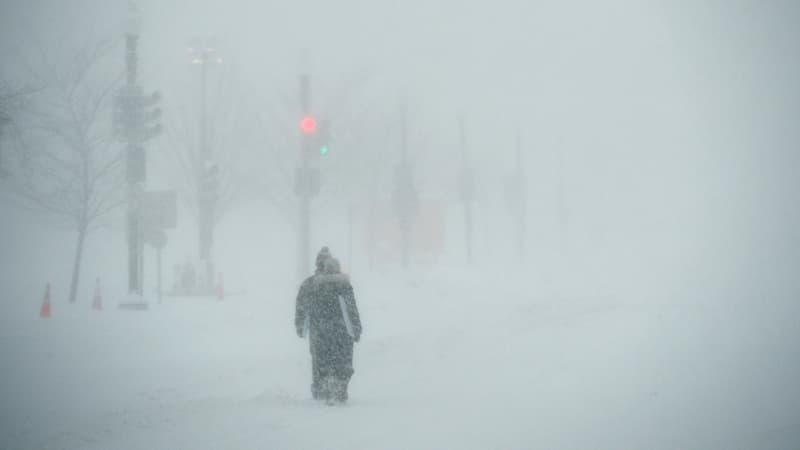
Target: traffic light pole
pixel 135 241
pixel 468 228
pixel 304 245
pixel 304 236
pixel 405 196
pixel 158 271
pixel 313 140
pixel 563 201
pixel 134 121
pixel 405 221
pixel 467 192
pixel 521 204
pixel 516 203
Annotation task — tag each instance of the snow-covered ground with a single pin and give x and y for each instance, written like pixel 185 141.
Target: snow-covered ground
pixel 452 359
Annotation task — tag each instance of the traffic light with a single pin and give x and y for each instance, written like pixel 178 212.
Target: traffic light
pixel 316 135
pixel 150 125
pixel 209 184
pixel 323 137
pixel 136 117
pixel 124 113
pixel 308 125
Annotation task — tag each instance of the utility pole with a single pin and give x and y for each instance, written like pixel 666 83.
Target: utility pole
pixel 467 190
pixel 405 219
pixel 516 201
pixel 205 168
pixel 135 170
pixel 307 177
pixel 522 206
pixel 135 121
pixel 304 242
pixel 563 200
pixel 406 199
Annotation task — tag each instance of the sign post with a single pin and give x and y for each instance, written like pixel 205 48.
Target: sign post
pixel 159 212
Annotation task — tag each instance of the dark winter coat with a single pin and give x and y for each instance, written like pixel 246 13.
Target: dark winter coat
pixel 331 344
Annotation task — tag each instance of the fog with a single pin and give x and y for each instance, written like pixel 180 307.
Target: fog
pixel 638 290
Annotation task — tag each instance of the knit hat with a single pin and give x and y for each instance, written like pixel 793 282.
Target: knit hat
pixel 323 255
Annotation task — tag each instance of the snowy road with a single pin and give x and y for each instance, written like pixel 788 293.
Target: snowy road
pixel 445 362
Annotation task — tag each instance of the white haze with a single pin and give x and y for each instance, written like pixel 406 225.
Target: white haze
pixel 657 303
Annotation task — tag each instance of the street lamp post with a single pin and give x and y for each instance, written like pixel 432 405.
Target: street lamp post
pixel 203 55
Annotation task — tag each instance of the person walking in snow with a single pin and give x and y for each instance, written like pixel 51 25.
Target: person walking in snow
pixel 326 310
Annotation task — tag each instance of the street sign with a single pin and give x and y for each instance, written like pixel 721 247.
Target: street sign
pixel 159 209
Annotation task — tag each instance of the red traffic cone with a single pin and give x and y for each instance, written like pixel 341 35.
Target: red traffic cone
pixel 97 300
pixel 44 312
pixel 220 288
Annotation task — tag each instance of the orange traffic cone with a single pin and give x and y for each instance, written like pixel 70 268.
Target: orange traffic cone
pixel 220 288
pixel 44 312
pixel 97 300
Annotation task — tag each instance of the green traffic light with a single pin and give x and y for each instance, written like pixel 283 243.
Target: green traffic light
pixel 323 150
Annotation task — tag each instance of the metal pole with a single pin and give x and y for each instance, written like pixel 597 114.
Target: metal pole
pixel 563 210
pixel 158 275
pixel 305 231
pixel 405 222
pixel 134 188
pixel 133 245
pixel 521 207
pixel 205 210
pixel 467 194
pixel 204 149
pixel 468 230
pixel 304 237
pixel 140 252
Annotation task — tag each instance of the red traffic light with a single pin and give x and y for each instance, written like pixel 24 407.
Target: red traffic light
pixel 308 124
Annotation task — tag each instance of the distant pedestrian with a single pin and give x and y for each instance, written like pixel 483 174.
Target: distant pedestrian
pixel 326 307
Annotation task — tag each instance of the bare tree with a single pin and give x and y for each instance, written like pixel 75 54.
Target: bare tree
pixel 229 128
pixel 12 99
pixel 270 171
pixel 65 163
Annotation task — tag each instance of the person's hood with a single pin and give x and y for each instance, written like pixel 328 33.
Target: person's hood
pixel 331 278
